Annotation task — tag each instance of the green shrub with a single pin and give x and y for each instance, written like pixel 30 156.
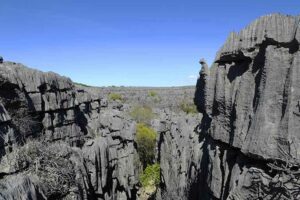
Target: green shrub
pixel 154 96
pixel 150 176
pixel 146 142
pixel 188 108
pixel 142 114
pixel 115 97
pixel 152 93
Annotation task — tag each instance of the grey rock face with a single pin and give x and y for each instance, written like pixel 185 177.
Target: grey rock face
pixel 179 154
pixel 249 99
pixel 47 107
pixel 109 159
pixel 252 91
pixel 36 104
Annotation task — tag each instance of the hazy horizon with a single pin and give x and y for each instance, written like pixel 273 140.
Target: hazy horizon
pixel 125 43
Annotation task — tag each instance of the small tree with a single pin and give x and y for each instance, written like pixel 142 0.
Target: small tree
pixel 146 142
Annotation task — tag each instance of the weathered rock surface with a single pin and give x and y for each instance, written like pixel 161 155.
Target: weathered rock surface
pixel 109 159
pixel 249 99
pixel 179 154
pixel 50 108
pixel 37 104
pixel 252 92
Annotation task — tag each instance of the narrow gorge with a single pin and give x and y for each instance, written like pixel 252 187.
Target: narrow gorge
pixel 64 140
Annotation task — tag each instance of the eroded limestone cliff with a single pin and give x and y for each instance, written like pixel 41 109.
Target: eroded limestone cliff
pixel 250 104
pixel 49 109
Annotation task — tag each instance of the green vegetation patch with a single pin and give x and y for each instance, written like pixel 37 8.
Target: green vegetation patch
pixel 146 142
pixel 152 93
pixel 150 176
pixel 142 114
pixel 188 108
pixel 115 97
pixel 154 96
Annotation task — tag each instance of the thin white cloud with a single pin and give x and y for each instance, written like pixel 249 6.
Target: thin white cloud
pixel 192 76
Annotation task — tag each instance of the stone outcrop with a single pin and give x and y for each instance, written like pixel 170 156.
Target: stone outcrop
pixel 179 152
pixel 38 104
pixel 110 160
pixel 249 99
pixel 252 91
pixel 49 108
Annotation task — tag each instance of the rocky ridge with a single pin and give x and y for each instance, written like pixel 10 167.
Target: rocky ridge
pixel 46 107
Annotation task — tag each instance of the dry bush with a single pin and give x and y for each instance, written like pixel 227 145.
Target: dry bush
pixel 285 181
pixel 51 163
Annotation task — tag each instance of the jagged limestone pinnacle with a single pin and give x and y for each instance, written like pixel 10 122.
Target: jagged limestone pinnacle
pixel 204 66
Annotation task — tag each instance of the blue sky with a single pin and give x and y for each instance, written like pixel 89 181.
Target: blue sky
pixel 125 42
